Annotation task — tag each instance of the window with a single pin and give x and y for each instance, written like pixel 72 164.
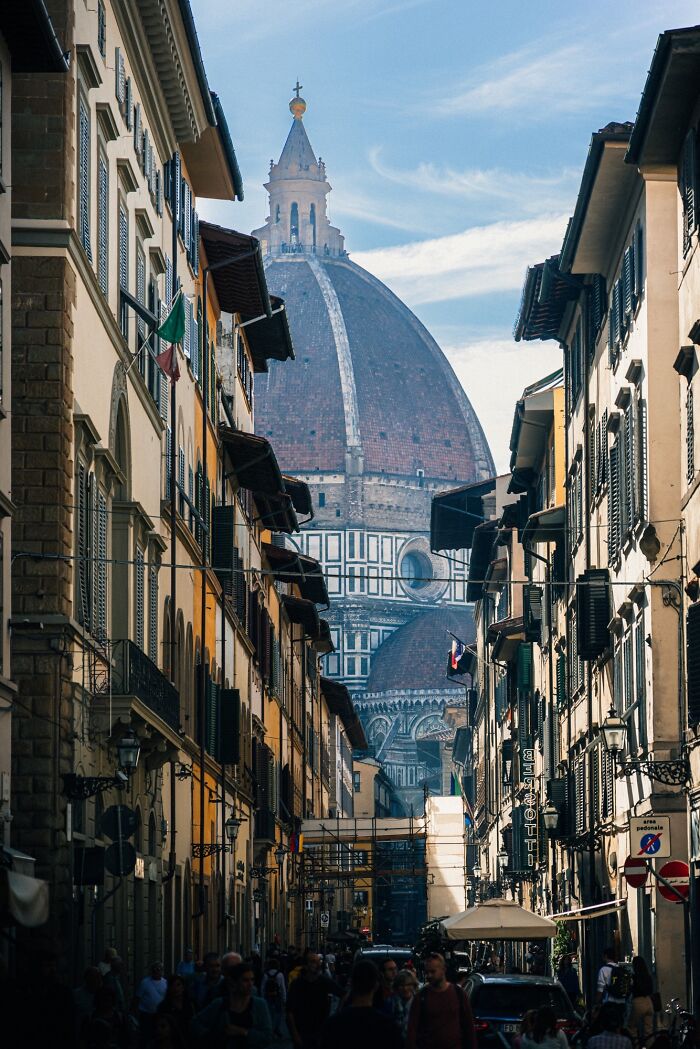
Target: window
pixel 351 666
pixel 294 222
pixel 141 296
pixel 101 28
pixel 687 185
pixel 153 613
pixel 85 495
pixel 124 261
pixel 100 600
pixel 102 223
pixel 139 597
pixel 321 499
pixel 689 436
pixel 356 782
pixel 84 176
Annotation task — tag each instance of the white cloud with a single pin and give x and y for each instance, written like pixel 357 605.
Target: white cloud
pixel 516 364
pixel 479 261
pixel 540 79
pixel 519 192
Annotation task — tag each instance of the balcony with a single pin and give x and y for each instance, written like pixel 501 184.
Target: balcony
pixel 140 697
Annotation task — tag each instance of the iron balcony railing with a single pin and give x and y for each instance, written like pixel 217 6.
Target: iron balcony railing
pixel 134 674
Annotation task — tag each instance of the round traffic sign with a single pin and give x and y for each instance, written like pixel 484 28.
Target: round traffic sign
pixel 118 821
pixel 120 858
pixel 676 873
pixel 650 844
pixel 636 872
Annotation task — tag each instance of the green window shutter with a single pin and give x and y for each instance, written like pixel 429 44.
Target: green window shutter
pixel 687 186
pixel 101 28
pixel 84 177
pixel 561 681
pixel 689 436
pixel 181 481
pixel 83 613
pixel 230 726
pixel 524 672
pixel 119 77
pixel 211 718
pixel 207 519
pixel 628 285
pixel 639 262
pixel 580 789
pixel 168 460
pixel 124 264
pixel 614 521
pixel 138 132
pixel 128 104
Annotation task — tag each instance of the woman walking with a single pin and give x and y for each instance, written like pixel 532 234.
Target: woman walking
pixel 642 1015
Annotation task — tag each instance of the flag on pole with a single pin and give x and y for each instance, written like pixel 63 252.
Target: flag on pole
pixel 172 331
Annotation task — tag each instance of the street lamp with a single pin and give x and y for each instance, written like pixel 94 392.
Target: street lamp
pixel 550 818
pixel 503 858
pixel 232 827
pixel 79 788
pixel 674 773
pixel 279 854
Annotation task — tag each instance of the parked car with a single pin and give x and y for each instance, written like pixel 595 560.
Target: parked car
pixel 379 952
pixel 500 1001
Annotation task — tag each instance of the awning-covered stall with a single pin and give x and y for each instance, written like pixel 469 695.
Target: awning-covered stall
pixel 289 566
pixel 339 703
pixel 498 920
pixel 456 513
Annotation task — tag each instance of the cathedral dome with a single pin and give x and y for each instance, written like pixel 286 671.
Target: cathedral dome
pixel 370 385
pixel 415 655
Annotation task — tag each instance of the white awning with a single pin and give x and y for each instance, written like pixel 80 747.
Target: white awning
pixel 498 920
pixel 26 899
pixel 595 910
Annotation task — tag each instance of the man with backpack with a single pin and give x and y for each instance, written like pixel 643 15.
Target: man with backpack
pixel 274 991
pixel 440 1016
pixel 614 982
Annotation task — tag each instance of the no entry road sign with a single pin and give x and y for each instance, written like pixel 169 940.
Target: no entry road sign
pixel 676 874
pixel 636 872
pixel 650 836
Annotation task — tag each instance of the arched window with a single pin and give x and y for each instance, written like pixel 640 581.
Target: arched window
pixel 277 213
pixel 312 223
pixel 294 223
pixel 152 835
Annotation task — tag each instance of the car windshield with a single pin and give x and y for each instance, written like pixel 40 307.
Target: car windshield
pixel 513 1000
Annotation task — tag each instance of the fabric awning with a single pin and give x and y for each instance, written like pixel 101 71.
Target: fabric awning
pixel 300 494
pixel 302 612
pixel 236 270
pixel 498 920
pixel 480 559
pixel 505 636
pixel 254 461
pixel 546 526
pixel 455 514
pixel 324 646
pixel 24 898
pixel 269 338
pixel 595 910
pixel 339 702
pixel 276 512
pixel 544 301
pixel 289 566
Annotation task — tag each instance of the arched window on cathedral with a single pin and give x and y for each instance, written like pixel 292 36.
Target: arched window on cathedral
pixel 294 223
pixel 277 213
pixel 312 223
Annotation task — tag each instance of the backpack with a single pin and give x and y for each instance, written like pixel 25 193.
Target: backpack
pixel 620 985
pixel 272 987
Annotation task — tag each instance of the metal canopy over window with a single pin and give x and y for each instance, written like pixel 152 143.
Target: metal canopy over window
pixel 276 512
pixel 544 301
pixel 324 646
pixel 546 526
pixel 482 545
pixel 254 461
pixel 289 566
pixel 339 703
pixel 241 286
pixel 300 494
pixel 455 514
pixel 269 338
pixel 304 613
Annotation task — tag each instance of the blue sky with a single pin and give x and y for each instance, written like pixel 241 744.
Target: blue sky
pixel 454 133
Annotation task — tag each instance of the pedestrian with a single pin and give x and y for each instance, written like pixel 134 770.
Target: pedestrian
pixel 107 1028
pixel 210 982
pixel 177 1004
pixel 237 1018
pixel 113 979
pixel 383 998
pixel 274 992
pixel 106 964
pixel 568 978
pixel 611 1036
pixel 309 1002
pixel 440 1016
pixel 360 1024
pixel 405 988
pixel 164 1035
pixel 527 1026
pixel 186 966
pixel 642 1013
pixel 84 998
pixel 614 983
pixel 150 993
pixel 545 1034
